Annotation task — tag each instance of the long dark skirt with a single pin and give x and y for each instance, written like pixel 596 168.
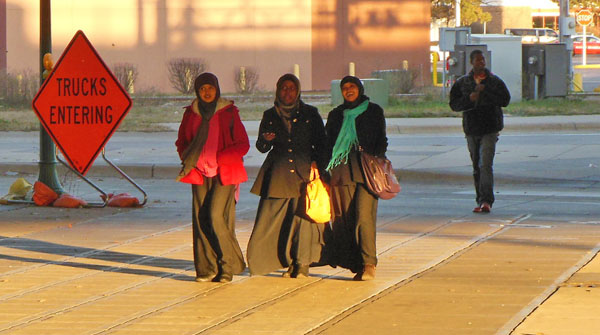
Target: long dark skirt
pixel 216 249
pixel 355 212
pixel 281 237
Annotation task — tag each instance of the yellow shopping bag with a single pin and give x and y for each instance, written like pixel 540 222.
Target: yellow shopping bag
pixel 318 205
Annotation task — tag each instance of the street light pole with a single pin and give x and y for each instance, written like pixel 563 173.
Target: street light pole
pixel 48 174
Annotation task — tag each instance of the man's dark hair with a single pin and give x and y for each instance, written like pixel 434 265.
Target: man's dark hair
pixel 473 53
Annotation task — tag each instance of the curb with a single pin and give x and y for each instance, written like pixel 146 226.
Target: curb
pixel 170 171
pixel 509 127
pixel 454 125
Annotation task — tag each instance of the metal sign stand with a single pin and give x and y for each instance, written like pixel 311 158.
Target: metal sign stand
pixel 15 202
pixel 96 187
pixel 101 205
pixel 143 202
pixel 90 204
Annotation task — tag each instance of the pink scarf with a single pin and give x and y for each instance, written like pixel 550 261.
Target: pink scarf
pixel 207 161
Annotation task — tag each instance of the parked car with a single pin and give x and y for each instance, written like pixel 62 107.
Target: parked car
pixel 534 35
pixel 592 44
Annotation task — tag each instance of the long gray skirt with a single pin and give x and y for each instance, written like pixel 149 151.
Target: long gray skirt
pixel 354 226
pixel 281 236
pixel 216 249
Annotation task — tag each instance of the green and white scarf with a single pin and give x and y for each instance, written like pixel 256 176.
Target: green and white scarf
pixel 347 137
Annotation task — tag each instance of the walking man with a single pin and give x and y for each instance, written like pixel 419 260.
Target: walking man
pixel 480 96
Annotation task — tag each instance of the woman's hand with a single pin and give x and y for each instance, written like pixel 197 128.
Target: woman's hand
pixel 268 136
pixel 474 96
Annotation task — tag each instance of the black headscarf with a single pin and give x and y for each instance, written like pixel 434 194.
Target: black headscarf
pixel 285 111
pixel 207 109
pixel 361 91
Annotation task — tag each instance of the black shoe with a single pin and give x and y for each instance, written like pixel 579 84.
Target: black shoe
pixel 301 271
pixel 289 272
pixel 224 278
pixel 367 273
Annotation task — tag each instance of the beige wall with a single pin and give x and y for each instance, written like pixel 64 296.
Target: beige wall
pixel 270 35
pixel 375 35
pixel 505 17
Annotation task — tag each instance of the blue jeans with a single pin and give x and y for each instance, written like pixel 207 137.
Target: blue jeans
pixel 482 149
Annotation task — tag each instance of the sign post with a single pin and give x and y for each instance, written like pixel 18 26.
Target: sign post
pixel 47 163
pixel 584 18
pixel 81 104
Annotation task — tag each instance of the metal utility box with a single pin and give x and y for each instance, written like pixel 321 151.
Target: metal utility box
pixel 545 70
pixel 535 62
pixel 507 54
pixel 459 63
pixel 449 37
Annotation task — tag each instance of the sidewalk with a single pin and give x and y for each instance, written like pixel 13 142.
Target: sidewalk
pixel 527 268
pixel 441 270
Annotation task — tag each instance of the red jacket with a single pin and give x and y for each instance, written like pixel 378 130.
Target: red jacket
pixel 233 142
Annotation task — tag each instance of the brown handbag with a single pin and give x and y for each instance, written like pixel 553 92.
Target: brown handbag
pixel 379 175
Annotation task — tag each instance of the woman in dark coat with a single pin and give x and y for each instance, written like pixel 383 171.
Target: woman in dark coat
pixel 211 143
pixel 293 134
pixel 357 123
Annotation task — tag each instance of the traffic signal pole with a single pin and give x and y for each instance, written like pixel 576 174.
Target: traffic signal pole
pixel 48 174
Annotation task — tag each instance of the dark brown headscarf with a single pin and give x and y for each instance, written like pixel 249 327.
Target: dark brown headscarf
pixel 285 111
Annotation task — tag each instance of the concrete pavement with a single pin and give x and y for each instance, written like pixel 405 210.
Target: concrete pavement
pixel 442 270
pixel 528 268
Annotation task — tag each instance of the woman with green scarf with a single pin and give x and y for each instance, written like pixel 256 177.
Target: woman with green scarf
pixel 357 123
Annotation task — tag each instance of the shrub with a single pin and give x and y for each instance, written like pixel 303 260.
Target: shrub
pixel 18 89
pixel 126 74
pixel 183 72
pixel 401 81
pixel 246 80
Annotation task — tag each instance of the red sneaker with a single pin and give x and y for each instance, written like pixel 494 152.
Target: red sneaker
pixel 477 209
pixel 485 207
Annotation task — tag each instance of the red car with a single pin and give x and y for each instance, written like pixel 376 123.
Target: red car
pixel 592 44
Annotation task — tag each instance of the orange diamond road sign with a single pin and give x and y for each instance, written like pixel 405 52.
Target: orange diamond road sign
pixel 81 103
pixel 584 17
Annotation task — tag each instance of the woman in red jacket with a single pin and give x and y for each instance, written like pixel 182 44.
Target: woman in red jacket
pixel 211 144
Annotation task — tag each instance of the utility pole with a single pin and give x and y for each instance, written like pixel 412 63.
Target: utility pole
pixel 457 17
pixel 566 24
pixel 48 174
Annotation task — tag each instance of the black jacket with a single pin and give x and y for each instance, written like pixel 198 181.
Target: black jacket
pixel 287 166
pixel 483 116
pixel 370 130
